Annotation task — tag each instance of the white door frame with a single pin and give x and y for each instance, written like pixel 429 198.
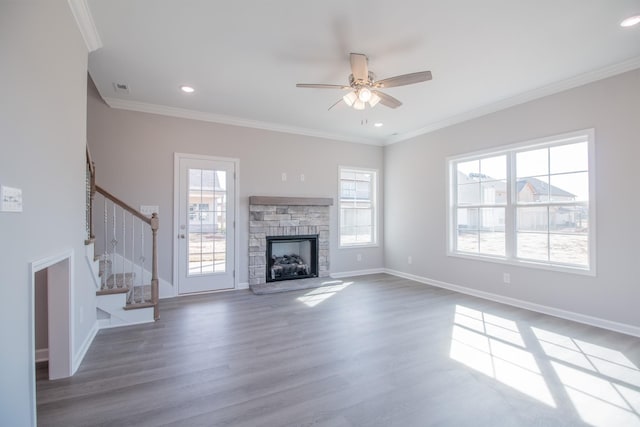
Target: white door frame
pixel 176 214
pixel 61 319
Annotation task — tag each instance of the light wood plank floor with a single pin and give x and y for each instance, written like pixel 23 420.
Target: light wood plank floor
pixel 374 351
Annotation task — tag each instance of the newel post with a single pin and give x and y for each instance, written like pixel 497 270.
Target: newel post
pixel 155 224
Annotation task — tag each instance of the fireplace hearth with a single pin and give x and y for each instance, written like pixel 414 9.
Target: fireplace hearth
pixel 292 257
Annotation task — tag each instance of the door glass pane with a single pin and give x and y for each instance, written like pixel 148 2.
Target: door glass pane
pixel 207 221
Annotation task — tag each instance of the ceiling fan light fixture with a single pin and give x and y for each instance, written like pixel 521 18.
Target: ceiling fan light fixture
pixel 364 94
pixel 630 21
pixel 359 105
pixel 350 98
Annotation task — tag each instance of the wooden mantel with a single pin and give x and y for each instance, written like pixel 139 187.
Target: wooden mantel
pixel 290 201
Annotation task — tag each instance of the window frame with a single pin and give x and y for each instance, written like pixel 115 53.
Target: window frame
pixel 374 203
pixel 512 204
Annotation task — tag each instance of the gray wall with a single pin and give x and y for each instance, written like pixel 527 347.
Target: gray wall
pixel 134 154
pixel 415 200
pixel 42 137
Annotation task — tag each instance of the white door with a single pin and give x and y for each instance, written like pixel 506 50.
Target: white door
pixel 206 224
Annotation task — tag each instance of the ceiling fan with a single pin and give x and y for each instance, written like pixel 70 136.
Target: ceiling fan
pixel 363 86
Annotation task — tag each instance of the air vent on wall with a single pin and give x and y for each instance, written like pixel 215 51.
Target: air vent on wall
pixel 121 87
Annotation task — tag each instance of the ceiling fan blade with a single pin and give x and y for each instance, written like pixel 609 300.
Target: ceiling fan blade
pixel 359 67
pixel 388 100
pixel 405 79
pixel 322 86
pixel 339 101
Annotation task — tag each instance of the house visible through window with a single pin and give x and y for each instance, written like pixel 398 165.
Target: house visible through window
pixel 357 207
pixel 525 203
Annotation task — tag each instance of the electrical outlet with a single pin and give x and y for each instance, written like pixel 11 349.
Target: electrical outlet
pixel 359 257
pixel 284 176
pixel 506 277
pixel 301 177
pixel 409 259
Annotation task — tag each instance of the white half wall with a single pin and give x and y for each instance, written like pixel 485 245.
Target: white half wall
pixel 415 201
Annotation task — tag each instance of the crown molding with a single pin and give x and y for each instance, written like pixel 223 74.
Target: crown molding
pixel 86 25
pixel 144 107
pixel 570 83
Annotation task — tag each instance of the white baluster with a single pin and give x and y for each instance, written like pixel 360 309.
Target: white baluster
pixel 114 245
pixel 105 255
pixel 124 247
pixel 142 262
pixel 133 258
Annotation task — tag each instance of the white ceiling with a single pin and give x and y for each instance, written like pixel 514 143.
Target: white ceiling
pixel 245 57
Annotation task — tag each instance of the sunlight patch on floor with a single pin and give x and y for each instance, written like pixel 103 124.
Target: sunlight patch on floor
pixel 493 346
pixel 318 295
pixel 602 383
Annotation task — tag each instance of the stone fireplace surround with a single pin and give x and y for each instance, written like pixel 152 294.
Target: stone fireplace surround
pixel 286 216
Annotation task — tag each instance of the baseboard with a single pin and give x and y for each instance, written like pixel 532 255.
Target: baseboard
pixel 355 273
pixel 244 285
pixel 539 308
pixel 79 356
pixel 42 355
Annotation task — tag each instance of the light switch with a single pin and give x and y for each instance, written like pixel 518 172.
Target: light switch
pixel 10 199
pixel 149 209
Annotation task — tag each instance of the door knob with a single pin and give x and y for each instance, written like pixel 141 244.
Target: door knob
pixel 180 236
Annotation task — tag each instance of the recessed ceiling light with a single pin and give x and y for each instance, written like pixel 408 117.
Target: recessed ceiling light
pixel 378 125
pixel 630 21
pixel 187 89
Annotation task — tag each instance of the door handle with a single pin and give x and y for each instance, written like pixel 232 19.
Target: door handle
pixel 180 236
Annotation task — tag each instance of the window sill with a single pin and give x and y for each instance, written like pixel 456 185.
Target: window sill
pixel 527 264
pixel 359 246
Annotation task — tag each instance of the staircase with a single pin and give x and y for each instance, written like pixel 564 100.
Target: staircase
pixel 125 272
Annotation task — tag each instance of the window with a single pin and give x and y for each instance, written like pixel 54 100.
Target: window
pixel 357 207
pixel 528 203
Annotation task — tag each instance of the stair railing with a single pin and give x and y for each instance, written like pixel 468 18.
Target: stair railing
pixel 124 235
pixel 90 191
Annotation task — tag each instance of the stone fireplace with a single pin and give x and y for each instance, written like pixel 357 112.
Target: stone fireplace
pixel 287 217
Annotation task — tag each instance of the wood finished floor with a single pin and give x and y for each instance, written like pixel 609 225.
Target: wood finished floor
pixel 374 351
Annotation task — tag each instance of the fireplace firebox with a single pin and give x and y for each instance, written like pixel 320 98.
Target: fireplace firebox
pixel 292 257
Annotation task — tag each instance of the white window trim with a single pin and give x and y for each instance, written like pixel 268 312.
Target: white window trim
pixel 374 200
pixel 510 231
